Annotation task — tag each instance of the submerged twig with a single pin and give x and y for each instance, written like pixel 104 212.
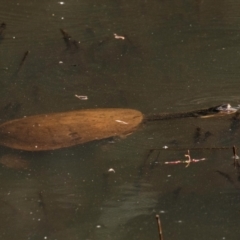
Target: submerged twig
pixel 66 36
pixel 22 61
pixel 2 28
pixel 159 227
pixel 225 175
pixel 24 58
pixel 234 156
pixel 235 161
pixel 40 200
pixel 68 39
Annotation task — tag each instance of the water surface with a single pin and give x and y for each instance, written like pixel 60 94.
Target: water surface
pixel 176 56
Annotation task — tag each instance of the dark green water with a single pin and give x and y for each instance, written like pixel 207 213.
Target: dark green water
pixel 176 56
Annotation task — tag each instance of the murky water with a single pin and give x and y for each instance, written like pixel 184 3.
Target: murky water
pixel 176 56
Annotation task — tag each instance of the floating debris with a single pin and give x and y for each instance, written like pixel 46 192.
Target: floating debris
pixel 81 97
pixel 118 37
pixel 190 160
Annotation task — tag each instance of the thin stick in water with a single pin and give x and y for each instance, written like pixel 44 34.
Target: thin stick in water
pixel 22 62
pixel 235 161
pixel 2 28
pixel 234 156
pixel 24 58
pixel 159 227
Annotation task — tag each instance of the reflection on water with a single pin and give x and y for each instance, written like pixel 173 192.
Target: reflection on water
pixel 14 161
pixel 176 56
pixel 125 209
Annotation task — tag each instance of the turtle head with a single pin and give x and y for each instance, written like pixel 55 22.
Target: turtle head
pixel 227 109
pixel 220 110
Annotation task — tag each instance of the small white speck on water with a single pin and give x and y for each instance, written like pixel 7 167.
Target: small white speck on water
pixel 81 97
pixel 118 36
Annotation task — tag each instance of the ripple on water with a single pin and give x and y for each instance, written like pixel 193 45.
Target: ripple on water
pixel 209 101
